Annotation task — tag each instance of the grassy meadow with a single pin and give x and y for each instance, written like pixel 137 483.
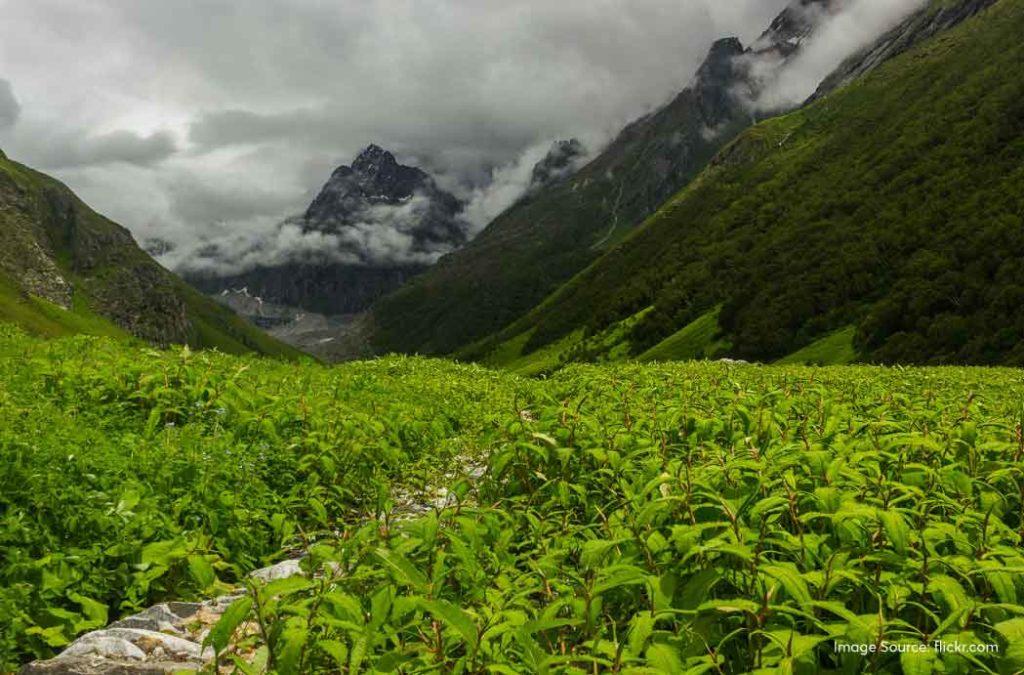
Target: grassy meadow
pixel 685 517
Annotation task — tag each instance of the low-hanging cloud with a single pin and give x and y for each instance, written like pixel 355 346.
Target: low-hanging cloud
pixel 383 236
pixel 10 109
pixel 508 184
pixel 57 149
pixel 268 96
pixel 117 146
pixel 841 35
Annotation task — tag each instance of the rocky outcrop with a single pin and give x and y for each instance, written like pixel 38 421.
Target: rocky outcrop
pixel 561 161
pixel 923 24
pixel 166 638
pixel 379 223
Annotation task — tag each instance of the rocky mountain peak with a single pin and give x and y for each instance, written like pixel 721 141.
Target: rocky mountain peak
pixel 561 160
pixel 374 178
pixel 374 159
pixel 793 25
pixel 718 66
pixel 377 223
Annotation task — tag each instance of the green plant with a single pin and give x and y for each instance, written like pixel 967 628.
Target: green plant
pixel 632 518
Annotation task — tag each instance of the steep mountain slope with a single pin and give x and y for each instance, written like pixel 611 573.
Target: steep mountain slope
pixel 555 232
pixel 894 205
pixel 65 269
pixel 376 224
pixel 932 19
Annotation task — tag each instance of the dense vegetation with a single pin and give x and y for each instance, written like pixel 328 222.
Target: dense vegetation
pixel 894 205
pixel 65 269
pixel 696 517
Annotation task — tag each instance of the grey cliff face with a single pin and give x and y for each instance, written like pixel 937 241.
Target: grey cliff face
pixel 558 164
pixel 794 25
pixel 376 179
pixel 360 208
pixel 923 24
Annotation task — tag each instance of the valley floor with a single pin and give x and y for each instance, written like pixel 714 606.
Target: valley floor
pixel 680 517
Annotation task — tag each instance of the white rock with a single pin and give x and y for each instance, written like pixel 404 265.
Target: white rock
pixel 282 570
pixel 104 646
pixel 148 640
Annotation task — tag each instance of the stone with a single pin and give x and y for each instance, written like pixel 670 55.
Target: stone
pixel 282 570
pixel 104 645
pixel 94 665
pixel 160 618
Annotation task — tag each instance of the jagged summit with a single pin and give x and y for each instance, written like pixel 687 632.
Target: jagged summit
pixel 372 157
pixel 562 159
pixel 794 24
pixel 375 177
pixel 378 223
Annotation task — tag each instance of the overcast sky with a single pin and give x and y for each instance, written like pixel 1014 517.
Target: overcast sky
pixel 173 115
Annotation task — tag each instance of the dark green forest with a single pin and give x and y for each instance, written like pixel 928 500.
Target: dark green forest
pixel 894 205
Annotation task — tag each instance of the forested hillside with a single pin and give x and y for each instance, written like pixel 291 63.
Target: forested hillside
pixel 548 236
pixel 890 212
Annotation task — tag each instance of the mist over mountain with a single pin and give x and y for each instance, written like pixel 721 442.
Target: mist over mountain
pixel 373 225
pixel 553 233
pixel 881 222
pixel 229 117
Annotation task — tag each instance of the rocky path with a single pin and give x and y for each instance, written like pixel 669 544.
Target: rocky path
pixel 168 638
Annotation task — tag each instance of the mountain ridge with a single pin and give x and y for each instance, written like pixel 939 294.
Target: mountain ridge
pixel 891 206
pixel 380 224
pixel 65 269
pixel 548 236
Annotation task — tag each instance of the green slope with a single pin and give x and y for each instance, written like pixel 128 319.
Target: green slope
pixel 551 234
pixel 895 205
pixel 65 269
pixel 694 341
pixel 832 350
pixel 44 318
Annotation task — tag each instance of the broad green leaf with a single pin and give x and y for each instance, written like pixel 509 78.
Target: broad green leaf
pixel 335 649
pixel 285 587
pixel 202 571
pixel 162 552
pixel 94 611
pixel 664 659
pixel 918 663
pixel 402 569
pixel 455 617
pixel 1013 632
pixel 640 630
pixel 791 581
pixel 290 647
pixel 221 633
pixel 896 529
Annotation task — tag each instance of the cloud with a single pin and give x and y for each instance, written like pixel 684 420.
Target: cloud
pixel 508 184
pixel 55 148
pixel 116 146
pixel 195 200
pixel 10 110
pixel 384 236
pixel 840 36
pixel 259 101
